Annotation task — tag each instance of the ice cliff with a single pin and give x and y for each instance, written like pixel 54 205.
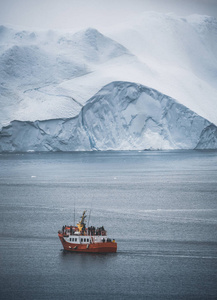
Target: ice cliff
pixel 121 116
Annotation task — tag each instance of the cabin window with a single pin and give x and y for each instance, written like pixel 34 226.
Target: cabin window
pixel 75 239
pixel 81 240
pixel 84 240
pixel 87 240
pixel 70 239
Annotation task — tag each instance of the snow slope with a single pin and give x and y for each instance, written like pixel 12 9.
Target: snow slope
pixel 121 116
pixel 33 65
pixel 182 52
pixel 46 75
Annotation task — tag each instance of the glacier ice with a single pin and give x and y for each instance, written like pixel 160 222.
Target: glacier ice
pixel 50 74
pixel 121 116
pixel 34 65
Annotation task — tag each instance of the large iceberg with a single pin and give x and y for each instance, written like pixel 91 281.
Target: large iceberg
pixel 51 74
pixel 121 116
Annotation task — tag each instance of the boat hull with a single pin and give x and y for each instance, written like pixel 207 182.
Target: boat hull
pixel 107 247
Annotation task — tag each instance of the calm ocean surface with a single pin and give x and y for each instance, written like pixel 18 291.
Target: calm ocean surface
pixel 160 206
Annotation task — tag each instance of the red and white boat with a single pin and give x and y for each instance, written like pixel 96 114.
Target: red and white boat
pixel 81 239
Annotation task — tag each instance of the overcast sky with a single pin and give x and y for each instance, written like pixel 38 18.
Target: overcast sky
pixel 71 14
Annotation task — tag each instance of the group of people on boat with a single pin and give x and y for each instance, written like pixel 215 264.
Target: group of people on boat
pixel 96 231
pixel 84 231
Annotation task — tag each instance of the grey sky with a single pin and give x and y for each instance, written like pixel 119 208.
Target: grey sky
pixel 71 14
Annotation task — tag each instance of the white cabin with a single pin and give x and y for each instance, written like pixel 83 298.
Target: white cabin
pixel 85 239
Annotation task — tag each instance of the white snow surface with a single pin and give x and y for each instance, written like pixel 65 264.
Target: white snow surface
pixel 35 68
pixel 46 75
pixel 121 116
pixel 180 52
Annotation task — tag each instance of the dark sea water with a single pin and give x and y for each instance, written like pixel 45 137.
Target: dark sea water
pixel 160 206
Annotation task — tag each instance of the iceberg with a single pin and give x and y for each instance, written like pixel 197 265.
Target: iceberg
pixel 50 74
pixel 121 116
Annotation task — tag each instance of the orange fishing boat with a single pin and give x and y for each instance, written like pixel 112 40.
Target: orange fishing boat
pixel 81 239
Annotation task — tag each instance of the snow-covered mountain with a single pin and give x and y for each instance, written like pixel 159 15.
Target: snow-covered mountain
pixel 51 75
pixel 121 116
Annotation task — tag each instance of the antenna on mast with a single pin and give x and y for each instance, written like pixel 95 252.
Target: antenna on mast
pixel 74 213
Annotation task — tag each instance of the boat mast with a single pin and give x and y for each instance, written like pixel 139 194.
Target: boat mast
pixel 74 214
pixel 89 218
